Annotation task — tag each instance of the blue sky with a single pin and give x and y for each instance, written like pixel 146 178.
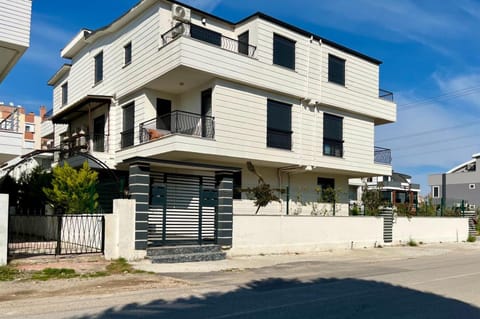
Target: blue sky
pixel 429 49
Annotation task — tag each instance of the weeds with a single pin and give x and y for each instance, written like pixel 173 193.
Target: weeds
pixel 412 243
pixel 121 266
pixel 54 273
pixel 471 239
pixel 8 273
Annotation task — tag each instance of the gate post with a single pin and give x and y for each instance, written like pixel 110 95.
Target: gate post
pixel 3 229
pixel 139 188
pixel 224 225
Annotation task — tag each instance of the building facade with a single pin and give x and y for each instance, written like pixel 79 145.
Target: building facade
pixel 461 183
pixel 180 100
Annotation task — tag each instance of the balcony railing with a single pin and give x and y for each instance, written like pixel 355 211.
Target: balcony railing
pixel 209 36
pixel 177 122
pixel 382 155
pixel 385 95
pixel 79 142
pixel 10 123
pixel 47 115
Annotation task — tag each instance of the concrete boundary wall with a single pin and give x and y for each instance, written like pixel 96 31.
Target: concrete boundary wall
pixel 297 234
pixel 274 234
pixel 3 228
pixel 120 231
pixel 430 229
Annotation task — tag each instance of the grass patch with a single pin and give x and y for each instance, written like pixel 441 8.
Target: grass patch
pixel 472 239
pixel 121 266
pixel 412 243
pixel 54 273
pixel 8 273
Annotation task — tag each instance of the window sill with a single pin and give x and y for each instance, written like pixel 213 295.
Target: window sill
pixel 97 84
pixel 125 65
pixel 285 68
pixel 337 84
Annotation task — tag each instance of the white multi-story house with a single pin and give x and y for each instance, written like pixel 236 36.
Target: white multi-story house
pixel 14 40
pixel 180 100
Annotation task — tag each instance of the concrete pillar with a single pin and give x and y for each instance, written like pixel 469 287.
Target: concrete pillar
pixel 139 188
pixel 120 231
pixel 225 208
pixel 3 228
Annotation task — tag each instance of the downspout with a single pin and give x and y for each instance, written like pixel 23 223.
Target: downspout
pixel 444 194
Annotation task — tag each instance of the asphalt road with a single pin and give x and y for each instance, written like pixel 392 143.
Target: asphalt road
pixel 438 286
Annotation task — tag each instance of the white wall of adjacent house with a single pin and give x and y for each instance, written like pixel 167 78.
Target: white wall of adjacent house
pixel 15 21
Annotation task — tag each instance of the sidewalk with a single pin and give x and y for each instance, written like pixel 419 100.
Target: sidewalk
pixel 260 261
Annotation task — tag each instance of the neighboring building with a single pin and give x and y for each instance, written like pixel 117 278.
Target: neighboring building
pixel 178 101
pixel 394 189
pixel 461 183
pixel 15 18
pixel 27 128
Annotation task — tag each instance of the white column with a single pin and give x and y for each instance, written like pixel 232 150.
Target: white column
pixel 3 228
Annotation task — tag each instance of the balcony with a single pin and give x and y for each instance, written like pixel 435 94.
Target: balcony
pixel 208 36
pixel 382 155
pixel 385 95
pixel 176 122
pixel 85 143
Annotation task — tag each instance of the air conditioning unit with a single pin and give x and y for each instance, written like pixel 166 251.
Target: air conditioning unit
pixel 178 30
pixel 180 13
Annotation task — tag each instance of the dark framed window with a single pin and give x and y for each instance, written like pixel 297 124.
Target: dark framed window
pixel 436 191
pixel 283 51
pixel 336 70
pixel 243 40
pixel 128 132
pixel 279 125
pixel 99 67
pixel 65 93
pixel 332 135
pixel 237 185
pixel 127 49
pixel 206 35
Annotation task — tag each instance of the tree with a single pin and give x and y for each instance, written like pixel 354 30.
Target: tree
pixel 262 192
pixel 372 200
pixel 30 195
pixel 73 191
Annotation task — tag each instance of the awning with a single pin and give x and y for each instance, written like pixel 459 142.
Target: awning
pixel 82 106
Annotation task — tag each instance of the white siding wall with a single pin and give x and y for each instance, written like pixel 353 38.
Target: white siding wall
pixel 15 22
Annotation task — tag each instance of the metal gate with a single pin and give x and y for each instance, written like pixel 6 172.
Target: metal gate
pixel 30 235
pixel 182 210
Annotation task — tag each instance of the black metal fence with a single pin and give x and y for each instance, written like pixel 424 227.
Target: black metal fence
pixel 385 95
pixel 177 122
pixel 30 235
pixel 209 36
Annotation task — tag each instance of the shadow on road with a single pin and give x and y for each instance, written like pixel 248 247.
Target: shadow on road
pixel 322 298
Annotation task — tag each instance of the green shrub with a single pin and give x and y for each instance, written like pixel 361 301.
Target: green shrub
pixel 412 243
pixel 471 239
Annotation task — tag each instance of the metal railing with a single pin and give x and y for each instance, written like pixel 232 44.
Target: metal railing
pixel 55 234
pixel 127 138
pixel 332 147
pixel 93 142
pixel 382 155
pixel 385 95
pixel 209 36
pixel 11 122
pixel 47 115
pixel 177 122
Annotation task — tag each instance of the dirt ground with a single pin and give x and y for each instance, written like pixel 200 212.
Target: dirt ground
pixel 22 289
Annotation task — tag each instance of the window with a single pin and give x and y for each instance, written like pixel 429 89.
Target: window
pixel 206 35
pixel 332 135
pixel 128 53
pixel 237 185
pixel 243 43
pixel 283 52
pixel 128 125
pixel 65 94
pixel 99 67
pixel 336 70
pixel 324 185
pixel 436 191
pixel 279 125
pixel 29 128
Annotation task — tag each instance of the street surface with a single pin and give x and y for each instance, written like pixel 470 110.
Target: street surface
pixel 434 281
